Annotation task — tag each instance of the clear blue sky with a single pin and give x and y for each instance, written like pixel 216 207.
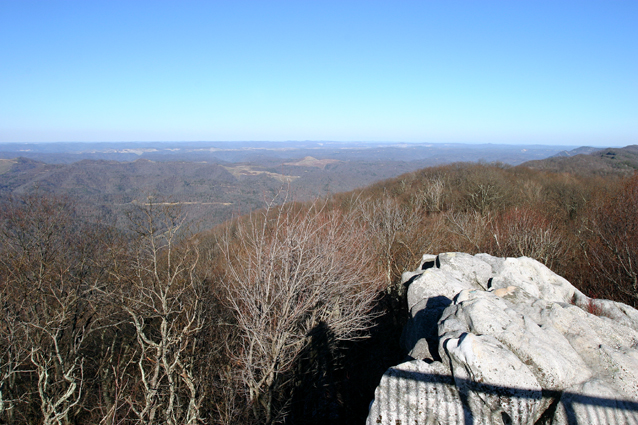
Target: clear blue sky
pixel 424 71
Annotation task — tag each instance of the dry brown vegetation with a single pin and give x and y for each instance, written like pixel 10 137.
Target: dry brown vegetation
pixel 514 211
pixel 294 276
pixel 288 315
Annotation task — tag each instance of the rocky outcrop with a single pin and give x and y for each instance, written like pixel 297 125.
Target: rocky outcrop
pixel 507 341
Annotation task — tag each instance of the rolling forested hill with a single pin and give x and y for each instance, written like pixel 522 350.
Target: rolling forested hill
pixel 609 161
pixel 210 193
pixel 289 314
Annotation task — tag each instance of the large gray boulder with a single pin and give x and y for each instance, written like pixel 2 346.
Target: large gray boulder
pixel 507 341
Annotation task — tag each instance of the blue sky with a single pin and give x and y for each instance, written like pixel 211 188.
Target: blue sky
pixel 548 72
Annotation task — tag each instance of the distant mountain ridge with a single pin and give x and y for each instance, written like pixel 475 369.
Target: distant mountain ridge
pixel 223 152
pixel 212 191
pixel 583 150
pixel 587 160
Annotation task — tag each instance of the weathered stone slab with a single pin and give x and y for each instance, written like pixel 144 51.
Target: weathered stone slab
pixel 509 342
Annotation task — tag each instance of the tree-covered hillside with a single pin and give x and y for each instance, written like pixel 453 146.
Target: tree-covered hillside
pixel 288 315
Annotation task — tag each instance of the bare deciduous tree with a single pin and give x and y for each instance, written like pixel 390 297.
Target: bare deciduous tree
pixel 49 260
pixel 484 197
pixel 472 227
pixel 390 223
pixel 291 271
pixel 525 232
pixel 430 197
pixel 164 303
pixel 13 352
pixel 612 244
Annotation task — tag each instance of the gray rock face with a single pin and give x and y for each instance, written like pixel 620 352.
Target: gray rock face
pixel 507 341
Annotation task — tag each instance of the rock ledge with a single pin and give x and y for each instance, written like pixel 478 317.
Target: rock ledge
pixel 507 341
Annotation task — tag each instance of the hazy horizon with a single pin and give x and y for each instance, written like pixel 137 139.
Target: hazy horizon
pixel 353 142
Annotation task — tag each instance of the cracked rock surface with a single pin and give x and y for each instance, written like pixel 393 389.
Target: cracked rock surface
pixel 507 341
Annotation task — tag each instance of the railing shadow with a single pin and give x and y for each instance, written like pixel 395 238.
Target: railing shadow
pixel 512 405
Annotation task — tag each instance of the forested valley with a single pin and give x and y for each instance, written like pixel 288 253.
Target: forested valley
pixel 290 314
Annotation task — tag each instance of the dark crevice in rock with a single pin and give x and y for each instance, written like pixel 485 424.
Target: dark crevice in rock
pixel 428 264
pixel 548 415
